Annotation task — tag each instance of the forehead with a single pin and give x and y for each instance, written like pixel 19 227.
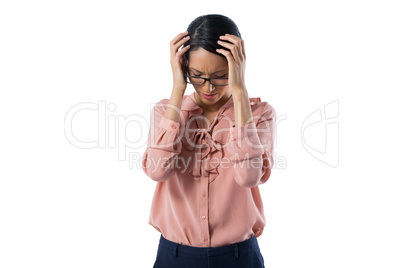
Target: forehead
pixel 205 61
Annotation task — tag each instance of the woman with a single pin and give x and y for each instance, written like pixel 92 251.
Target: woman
pixel 208 152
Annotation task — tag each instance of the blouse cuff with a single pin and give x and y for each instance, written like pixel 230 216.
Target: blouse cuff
pixel 244 143
pixel 169 125
pixel 166 137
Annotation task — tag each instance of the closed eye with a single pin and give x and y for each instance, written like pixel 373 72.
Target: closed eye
pixel 215 76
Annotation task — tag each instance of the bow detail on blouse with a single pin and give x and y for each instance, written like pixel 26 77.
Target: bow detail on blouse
pixel 208 151
pixel 207 154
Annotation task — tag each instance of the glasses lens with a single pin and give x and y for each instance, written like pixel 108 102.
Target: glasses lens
pixel 195 80
pixel 219 81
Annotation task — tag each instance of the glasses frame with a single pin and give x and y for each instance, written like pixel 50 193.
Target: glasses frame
pixel 185 70
pixel 205 79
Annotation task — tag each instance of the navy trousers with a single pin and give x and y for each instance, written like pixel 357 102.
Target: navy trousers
pixel 245 254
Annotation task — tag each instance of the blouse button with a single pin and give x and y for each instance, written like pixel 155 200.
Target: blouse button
pixel 174 126
pixel 203 194
pixel 205 239
pixel 203 217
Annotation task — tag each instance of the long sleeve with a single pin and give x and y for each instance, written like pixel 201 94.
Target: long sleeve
pixel 163 145
pixel 251 147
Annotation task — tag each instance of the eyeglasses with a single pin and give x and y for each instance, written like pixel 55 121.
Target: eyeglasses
pixel 197 80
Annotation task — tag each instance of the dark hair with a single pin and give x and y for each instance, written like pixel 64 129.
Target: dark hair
pixel 204 32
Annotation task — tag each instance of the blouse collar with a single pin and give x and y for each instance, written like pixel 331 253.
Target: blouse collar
pixel 190 104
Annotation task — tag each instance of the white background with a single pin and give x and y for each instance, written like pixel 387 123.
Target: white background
pixel 65 206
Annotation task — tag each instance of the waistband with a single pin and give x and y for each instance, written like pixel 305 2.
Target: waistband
pixel 208 251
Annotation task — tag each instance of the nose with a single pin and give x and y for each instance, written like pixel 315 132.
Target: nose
pixel 209 85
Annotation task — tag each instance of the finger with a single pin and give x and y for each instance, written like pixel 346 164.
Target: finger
pixel 178 41
pixel 227 54
pixel 236 41
pixel 176 47
pixel 181 57
pixel 233 49
pixel 178 37
pixel 183 50
pixel 181 42
pixel 243 49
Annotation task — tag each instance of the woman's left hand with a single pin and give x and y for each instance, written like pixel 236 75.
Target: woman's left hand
pixel 237 60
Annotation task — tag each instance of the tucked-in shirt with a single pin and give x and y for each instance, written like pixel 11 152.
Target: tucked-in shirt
pixel 207 192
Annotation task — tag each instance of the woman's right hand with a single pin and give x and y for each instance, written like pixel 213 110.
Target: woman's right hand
pixel 177 60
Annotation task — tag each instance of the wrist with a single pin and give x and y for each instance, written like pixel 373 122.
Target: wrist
pixel 239 93
pixel 178 91
pixel 239 89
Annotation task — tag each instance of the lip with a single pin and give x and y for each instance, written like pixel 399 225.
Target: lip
pixel 207 96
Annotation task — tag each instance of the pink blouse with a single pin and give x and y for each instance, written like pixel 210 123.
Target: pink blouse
pixel 207 191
